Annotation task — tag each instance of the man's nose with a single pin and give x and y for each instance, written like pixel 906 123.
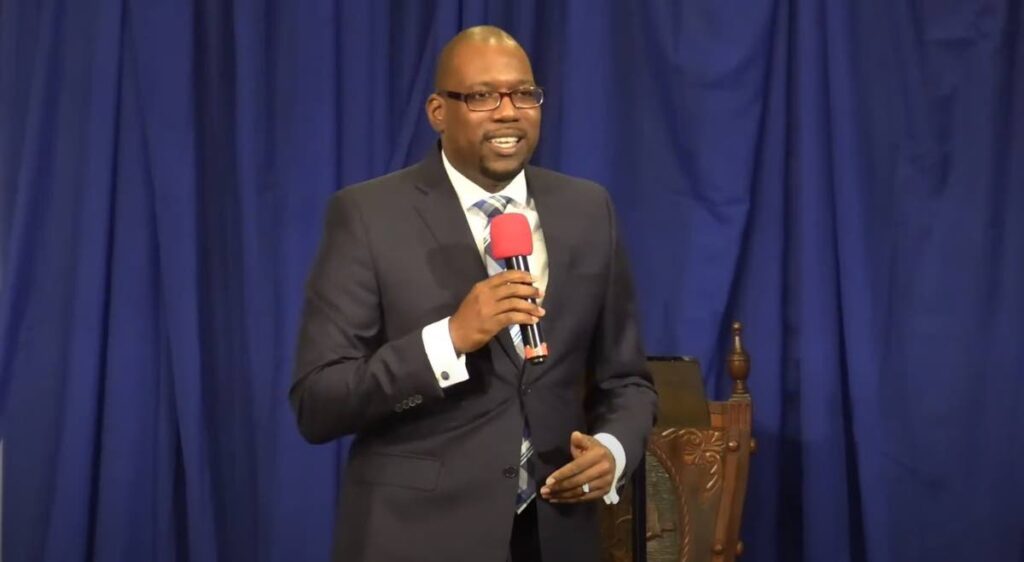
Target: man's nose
pixel 506 110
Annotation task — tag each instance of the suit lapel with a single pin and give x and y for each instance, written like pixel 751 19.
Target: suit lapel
pixel 551 209
pixel 440 209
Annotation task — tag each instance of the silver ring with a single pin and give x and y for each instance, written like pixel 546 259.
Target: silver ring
pixel 586 487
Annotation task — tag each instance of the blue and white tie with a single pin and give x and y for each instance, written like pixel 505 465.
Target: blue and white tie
pixel 492 207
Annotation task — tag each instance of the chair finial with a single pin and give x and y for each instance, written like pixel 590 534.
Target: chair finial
pixel 738 362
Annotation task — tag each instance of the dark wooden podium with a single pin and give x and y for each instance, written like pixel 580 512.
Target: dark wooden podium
pixel 689 491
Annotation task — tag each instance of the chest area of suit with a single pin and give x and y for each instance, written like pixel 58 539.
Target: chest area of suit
pixel 426 266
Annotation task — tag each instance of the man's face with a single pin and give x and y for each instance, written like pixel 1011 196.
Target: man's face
pixel 488 147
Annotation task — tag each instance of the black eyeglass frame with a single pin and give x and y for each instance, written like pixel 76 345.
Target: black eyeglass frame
pixel 464 97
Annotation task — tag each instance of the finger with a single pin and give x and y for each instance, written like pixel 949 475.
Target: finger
pixel 507 319
pixel 592 465
pixel 596 489
pixel 516 290
pixel 523 287
pixel 510 276
pixel 581 441
pixel 573 468
pixel 601 483
pixel 597 471
pixel 518 305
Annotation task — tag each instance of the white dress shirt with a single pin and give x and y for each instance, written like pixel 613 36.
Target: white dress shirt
pixel 437 340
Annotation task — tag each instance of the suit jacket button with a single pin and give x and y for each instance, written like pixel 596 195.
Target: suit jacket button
pixel 445 376
pixel 510 472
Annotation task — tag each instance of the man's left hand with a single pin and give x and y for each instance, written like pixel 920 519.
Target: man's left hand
pixel 593 464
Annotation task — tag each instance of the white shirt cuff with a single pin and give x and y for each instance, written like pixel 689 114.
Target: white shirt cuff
pixel 609 440
pixel 448 367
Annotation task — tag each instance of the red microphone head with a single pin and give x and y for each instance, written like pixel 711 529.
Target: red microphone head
pixel 510 236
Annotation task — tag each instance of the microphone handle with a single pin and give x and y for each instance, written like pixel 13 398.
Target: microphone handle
pixel 535 349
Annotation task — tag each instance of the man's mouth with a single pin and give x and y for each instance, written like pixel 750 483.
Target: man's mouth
pixel 505 142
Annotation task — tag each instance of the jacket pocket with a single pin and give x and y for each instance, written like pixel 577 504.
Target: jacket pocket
pixel 406 471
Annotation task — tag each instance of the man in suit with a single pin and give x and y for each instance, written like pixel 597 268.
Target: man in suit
pixel 410 339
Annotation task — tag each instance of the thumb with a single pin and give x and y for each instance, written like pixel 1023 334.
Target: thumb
pixel 578 443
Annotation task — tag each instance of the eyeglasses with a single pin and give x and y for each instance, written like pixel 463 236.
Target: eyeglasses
pixel 522 98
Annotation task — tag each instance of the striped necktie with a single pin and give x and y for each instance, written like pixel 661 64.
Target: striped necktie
pixel 491 207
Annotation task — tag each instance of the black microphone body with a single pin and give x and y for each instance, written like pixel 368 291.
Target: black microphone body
pixel 535 349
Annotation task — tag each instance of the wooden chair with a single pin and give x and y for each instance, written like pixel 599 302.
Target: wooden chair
pixel 689 491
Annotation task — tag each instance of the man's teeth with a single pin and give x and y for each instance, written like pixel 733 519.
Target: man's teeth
pixel 505 142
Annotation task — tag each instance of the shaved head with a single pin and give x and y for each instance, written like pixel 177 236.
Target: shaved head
pixel 490 146
pixel 481 34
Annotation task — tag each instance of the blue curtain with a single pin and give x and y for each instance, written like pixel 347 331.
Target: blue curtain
pixel 846 178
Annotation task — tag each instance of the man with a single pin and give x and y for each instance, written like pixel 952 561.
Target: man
pixel 410 339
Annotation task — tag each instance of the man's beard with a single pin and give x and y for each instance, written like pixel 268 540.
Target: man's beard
pixel 500 176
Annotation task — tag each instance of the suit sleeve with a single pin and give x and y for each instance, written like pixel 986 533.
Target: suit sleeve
pixel 346 377
pixel 623 401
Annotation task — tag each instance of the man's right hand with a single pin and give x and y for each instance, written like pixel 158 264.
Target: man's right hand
pixel 493 305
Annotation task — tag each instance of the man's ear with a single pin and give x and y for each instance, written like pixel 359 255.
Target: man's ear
pixel 435 113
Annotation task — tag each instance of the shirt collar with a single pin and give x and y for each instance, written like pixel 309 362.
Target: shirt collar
pixel 469 193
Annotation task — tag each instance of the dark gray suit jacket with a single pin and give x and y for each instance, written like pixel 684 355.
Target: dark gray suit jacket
pixel 431 472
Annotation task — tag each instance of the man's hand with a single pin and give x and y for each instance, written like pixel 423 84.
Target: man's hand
pixel 491 306
pixel 593 464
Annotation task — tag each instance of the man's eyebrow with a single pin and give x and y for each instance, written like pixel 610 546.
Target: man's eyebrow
pixel 492 86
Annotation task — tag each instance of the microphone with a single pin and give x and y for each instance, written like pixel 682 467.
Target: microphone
pixel 512 241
